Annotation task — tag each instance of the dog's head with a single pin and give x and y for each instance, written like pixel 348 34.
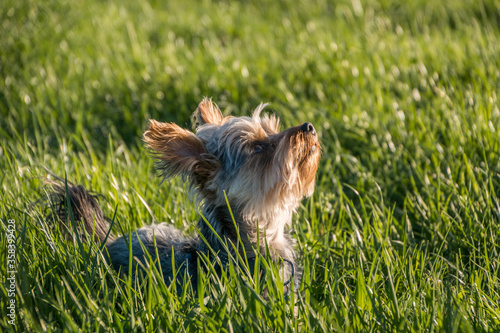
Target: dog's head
pixel 264 172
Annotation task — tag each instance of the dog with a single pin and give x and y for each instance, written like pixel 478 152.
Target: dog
pixel 248 176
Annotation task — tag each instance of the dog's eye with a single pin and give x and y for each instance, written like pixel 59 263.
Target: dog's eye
pixel 258 149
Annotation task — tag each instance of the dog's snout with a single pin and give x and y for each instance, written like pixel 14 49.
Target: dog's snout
pixel 308 128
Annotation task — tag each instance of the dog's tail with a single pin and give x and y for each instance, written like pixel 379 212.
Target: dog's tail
pixel 85 210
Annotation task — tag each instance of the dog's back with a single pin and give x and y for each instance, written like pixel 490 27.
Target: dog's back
pixel 160 243
pixel 156 242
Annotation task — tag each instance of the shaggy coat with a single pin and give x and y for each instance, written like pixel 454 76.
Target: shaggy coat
pixel 244 161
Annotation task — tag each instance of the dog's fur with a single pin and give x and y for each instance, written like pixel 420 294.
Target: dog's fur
pixel 263 173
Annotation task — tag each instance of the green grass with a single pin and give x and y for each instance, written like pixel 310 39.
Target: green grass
pixel 403 231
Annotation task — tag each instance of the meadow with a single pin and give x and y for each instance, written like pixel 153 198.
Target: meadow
pixel 402 233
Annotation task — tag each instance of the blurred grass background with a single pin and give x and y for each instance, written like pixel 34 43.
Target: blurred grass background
pixel 402 233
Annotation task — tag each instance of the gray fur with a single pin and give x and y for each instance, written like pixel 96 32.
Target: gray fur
pixel 263 187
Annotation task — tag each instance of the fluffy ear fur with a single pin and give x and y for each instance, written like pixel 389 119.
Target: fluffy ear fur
pixel 207 113
pixel 179 151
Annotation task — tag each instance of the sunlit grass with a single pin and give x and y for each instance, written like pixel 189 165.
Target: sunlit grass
pixel 402 233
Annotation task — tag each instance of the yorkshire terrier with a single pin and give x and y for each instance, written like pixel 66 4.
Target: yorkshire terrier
pixel 248 176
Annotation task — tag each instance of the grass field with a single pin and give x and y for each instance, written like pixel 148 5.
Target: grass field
pixel 403 231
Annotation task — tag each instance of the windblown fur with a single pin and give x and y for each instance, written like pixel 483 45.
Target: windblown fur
pixel 84 207
pixel 263 173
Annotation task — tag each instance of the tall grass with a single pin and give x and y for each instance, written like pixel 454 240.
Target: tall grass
pixel 402 233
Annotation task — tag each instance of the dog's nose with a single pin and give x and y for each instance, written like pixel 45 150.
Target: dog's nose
pixel 308 128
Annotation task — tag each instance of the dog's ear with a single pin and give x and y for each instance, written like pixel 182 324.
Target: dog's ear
pixel 179 151
pixel 207 113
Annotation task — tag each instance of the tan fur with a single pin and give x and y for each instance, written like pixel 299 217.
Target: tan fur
pixel 264 187
pixel 207 113
pixel 262 172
